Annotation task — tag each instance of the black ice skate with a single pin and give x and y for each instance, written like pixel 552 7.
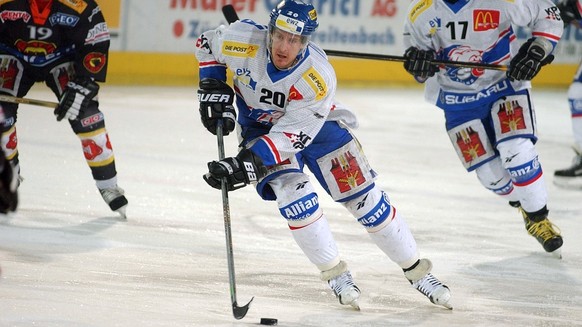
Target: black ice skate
pixel 116 200
pixel 539 226
pixel 570 177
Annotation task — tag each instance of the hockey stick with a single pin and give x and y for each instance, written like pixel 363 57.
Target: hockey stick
pixel 11 99
pixel 372 56
pixel 238 312
pixel 231 17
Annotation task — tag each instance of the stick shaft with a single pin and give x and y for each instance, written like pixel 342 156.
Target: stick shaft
pixel 42 103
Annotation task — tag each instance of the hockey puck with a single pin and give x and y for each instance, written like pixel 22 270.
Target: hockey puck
pixel 269 321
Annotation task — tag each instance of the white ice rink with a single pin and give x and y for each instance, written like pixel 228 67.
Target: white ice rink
pixel 68 261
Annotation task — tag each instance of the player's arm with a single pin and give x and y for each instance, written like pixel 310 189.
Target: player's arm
pixel 419 55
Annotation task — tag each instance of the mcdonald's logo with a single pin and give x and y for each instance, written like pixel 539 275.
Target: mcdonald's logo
pixel 484 20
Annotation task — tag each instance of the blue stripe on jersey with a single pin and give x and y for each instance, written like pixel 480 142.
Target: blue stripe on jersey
pixel 218 72
pixel 251 22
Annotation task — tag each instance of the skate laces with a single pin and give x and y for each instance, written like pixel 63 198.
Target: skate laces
pixel 432 288
pixel 543 229
pixel 343 285
pixel 110 194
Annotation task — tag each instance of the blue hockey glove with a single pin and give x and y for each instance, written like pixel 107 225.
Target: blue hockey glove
pixel 216 99
pixel 419 62
pixel 76 98
pixel 239 171
pixel 530 58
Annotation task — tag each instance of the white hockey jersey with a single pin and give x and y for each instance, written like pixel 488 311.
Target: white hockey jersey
pixel 291 104
pixel 475 31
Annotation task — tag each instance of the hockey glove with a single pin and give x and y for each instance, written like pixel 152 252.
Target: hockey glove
pixel 568 11
pixel 8 186
pixel 76 98
pixel 239 171
pixel 419 62
pixel 530 58
pixel 216 99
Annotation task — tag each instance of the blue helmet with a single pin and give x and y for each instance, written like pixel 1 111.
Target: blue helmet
pixel 295 17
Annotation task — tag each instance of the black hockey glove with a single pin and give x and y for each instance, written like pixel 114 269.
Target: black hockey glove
pixel 419 62
pixel 239 171
pixel 8 186
pixel 76 98
pixel 216 98
pixel 568 11
pixel 528 62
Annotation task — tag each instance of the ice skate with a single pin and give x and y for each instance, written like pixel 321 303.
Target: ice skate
pixel 116 200
pixel 423 281
pixel 544 231
pixel 342 284
pixel 570 177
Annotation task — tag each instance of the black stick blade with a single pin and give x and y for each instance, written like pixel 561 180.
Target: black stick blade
pixel 230 14
pixel 241 312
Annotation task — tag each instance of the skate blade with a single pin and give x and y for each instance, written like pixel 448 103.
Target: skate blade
pixel 122 212
pixel 448 306
pixel 355 305
pixel 569 183
pixel 557 253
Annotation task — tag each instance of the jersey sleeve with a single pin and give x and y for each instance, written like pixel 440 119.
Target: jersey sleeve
pixel 542 16
pixel 211 63
pixel 310 102
pixel 92 40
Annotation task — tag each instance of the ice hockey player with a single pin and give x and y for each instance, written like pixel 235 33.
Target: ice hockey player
pixel 288 118
pixel 571 12
pixel 64 44
pixel 489 114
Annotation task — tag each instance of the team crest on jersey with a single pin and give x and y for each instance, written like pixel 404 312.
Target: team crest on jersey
pixel 484 20
pixel 237 49
pixel 511 116
pixel 35 47
pixel 316 82
pixel 77 5
pixel 94 62
pixel 420 7
pixel 13 15
pixel 347 172
pixel 466 76
pixel 202 43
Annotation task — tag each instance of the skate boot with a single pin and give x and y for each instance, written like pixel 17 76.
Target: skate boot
pixel 572 176
pixel 341 283
pixel 115 199
pixel 539 226
pixel 422 280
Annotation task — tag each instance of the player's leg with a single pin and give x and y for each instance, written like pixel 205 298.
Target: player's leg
pixel 15 82
pixel 299 204
pixel 90 128
pixel 572 176
pixel 347 176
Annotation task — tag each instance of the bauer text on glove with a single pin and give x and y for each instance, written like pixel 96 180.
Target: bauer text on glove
pixel 528 62
pixel 76 98
pixel 216 98
pixel 239 171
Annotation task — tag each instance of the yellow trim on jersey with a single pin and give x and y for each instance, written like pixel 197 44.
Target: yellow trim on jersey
pixel 316 82
pixel 419 9
pixel 237 49
pixel 4 1
pixel 77 5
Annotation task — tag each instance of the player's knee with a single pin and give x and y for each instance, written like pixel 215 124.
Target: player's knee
pixel 297 200
pixel 494 177
pixel 89 120
pixel 520 159
pixel 372 209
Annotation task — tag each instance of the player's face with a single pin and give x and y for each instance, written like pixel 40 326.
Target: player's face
pixel 284 48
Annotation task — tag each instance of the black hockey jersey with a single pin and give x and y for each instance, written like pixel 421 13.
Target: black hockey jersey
pixel 66 30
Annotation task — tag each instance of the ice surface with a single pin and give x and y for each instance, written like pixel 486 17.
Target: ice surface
pixel 68 261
